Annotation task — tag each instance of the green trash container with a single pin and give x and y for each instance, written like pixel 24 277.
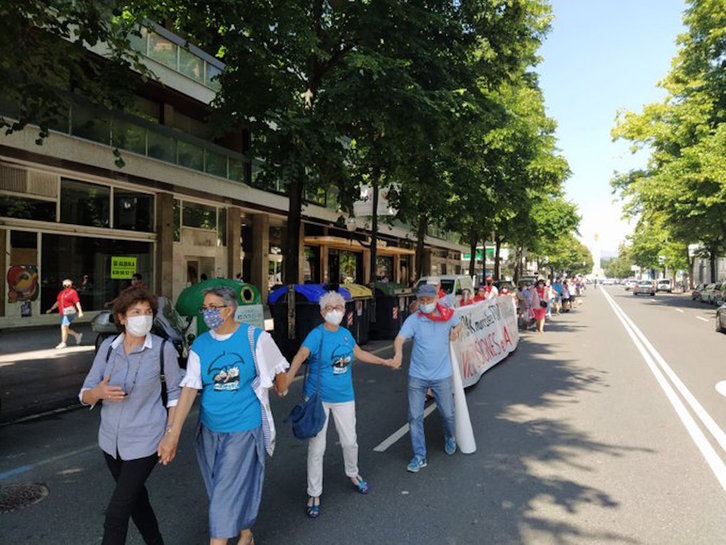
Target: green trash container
pixel 392 302
pixel 249 302
pixel 362 297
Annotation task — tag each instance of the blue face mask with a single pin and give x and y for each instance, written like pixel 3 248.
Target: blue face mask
pixel 213 317
pixel 428 309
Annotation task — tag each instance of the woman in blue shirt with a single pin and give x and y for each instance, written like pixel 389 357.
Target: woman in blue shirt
pixel 234 365
pixel 126 376
pixel 331 350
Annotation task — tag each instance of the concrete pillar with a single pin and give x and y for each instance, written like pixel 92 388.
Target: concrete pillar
pixel 234 247
pixel 164 266
pixel 260 253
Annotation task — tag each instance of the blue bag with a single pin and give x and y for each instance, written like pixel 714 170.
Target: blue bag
pixel 308 416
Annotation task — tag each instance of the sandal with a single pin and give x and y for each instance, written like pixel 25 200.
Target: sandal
pixel 359 484
pixel 313 509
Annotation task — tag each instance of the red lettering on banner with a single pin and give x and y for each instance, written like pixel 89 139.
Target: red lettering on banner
pixel 507 338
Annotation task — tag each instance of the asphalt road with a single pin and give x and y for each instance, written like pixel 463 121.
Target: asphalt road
pixel 578 443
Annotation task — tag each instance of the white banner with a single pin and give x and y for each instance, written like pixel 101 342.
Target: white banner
pixel 488 335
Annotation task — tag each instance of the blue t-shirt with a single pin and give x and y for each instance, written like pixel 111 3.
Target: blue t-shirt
pixel 333 359
pixel 228 404
pixel 557 286
pixel 430 358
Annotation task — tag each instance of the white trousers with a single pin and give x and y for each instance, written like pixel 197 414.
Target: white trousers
pixel 344 416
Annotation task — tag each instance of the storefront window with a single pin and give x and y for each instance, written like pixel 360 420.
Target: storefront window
pixel 133 211
pixel 24 208
pixel 384 268
pixel 85 204
pixel 177 220
pixel 312 264
pixel 199 216
pixel 87 261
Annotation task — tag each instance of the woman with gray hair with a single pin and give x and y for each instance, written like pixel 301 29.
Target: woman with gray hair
pixel 331 349
pixel 234 365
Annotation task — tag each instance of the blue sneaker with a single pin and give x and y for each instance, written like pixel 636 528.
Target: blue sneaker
pixel 450 445
pixel 416 463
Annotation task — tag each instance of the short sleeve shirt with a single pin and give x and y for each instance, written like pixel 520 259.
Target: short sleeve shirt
pixel 67 298
pixel 430 358
pixel 331 355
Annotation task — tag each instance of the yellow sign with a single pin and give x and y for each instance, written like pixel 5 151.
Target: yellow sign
pixel 122 267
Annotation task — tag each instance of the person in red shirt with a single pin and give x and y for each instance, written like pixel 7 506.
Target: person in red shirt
pixel 68 306
pixel 466 298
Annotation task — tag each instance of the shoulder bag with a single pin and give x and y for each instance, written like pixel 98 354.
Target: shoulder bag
pixel 308 416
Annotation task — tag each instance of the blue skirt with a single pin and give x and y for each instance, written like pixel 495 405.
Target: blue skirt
pixel 233 469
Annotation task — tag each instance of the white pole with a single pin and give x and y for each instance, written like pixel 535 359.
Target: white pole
pixel 464 432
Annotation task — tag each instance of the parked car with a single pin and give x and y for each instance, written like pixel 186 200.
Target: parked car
pixel 608 282
pixel 630 284
pixel 645 286
pixel 452 285
pixel 710 292
pixel 721 319
pixel 721 295
pixel 664 284
pixel 697 292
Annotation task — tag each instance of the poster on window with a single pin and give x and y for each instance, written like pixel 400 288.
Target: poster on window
pixel 489 334
pixel 22 283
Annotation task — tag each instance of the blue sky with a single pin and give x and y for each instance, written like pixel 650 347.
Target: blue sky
pixel 602 55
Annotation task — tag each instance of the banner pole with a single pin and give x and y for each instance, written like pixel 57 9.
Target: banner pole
pixel 464 432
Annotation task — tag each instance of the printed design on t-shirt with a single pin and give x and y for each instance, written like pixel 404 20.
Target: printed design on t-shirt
pixel 341 358
pixel 225 370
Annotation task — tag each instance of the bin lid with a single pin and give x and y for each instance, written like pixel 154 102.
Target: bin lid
pixel 311 292
pixel 191 298
pixel 391 288
pixel 358 291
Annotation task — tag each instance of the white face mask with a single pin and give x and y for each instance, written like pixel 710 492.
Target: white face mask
pixel 427 309
pixel 334 317
pixel 139 326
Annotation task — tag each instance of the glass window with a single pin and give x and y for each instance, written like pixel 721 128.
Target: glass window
pixel 162 50
pixel 162 147
pixel 191 66
pixel 23 208
pixel 222 227
pixel 82 203
pixel 139 42
pixel 384 268
pixel 177 220
pixel 190 155
pixel 199 216
pixel 87 261
pixel 215 163
pixel 133 211
pixel 129 136
pixel 213 74
pixel 86 123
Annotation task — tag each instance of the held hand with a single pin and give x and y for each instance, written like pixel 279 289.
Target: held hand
pixel 396 361
pixel 167 449
pixel 281 383
pixel 109 393
pixel 49 311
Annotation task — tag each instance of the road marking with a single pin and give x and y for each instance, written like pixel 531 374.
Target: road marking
pixel 678 310
pixel 721 387
pixel 703 319
pixel 650 355
pixel 403 430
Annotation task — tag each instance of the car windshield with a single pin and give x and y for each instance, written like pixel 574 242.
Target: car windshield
pixel 447 286
pixel 645 283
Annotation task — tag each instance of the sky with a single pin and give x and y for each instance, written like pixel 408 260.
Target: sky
pixel 601 56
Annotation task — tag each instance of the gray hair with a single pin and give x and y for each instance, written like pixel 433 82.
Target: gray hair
pixel 228 295
pixel 332 299
pixel 67 282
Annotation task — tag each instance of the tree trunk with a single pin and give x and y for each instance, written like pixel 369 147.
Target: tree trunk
pixel 497 258
pixel 420 241
pixel 473 240
pixel 292 235
pixel 517 265
pixel 374 231
pixel 712 261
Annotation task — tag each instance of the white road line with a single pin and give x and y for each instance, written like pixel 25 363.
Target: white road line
pixel 703 319
pixel 721 387
pixel 678 310
pixel 403 430
pixel 699 438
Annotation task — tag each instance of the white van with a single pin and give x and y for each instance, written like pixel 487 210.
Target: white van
pixel 452 284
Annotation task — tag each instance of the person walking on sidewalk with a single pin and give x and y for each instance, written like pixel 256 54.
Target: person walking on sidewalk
pixel 68 306
pixel 431 328
pixel 331 350
pixel 126 377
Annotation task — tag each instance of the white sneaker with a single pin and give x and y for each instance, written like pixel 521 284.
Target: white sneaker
pixel 79 338
pixel 61 345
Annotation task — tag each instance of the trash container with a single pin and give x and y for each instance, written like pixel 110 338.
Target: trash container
pixel 392 302
pixel 362 297
pixel 249 302
pixel 307 314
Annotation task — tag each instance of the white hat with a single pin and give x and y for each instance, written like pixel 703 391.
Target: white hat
pixel 67 282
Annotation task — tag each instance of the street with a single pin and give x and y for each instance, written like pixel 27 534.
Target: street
pixel 606 429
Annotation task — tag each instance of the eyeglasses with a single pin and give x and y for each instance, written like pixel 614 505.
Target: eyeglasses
pixel 328 309
pixel 211 307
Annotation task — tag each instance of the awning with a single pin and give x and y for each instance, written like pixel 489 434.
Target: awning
pixel 350 245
